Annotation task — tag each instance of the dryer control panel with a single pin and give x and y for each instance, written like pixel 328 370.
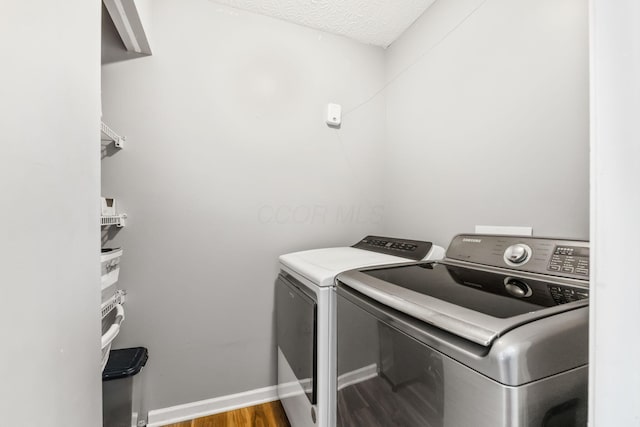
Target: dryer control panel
pixel 557 257
pixel 411 249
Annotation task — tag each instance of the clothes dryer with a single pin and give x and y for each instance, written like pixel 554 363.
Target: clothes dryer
pixel 306 319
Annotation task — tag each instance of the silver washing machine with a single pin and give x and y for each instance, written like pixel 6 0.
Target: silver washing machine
pixel 494 335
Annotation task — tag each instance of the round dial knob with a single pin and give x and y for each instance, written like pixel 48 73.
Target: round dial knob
pixel 517 288
pixel 517 254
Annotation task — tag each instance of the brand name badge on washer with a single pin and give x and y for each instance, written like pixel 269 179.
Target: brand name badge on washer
pixel 466 239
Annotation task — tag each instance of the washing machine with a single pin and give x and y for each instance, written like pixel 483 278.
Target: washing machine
pixel 494 335
pixel 306 319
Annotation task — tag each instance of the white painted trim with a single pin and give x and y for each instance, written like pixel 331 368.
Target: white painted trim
pixel 294 388
pixel 614 381
pixel 202 408
pixel 593 218
pixel 359 375
pixel 189 411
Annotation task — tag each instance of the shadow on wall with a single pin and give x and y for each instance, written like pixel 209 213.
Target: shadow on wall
pixel 108 234
pixel 108 151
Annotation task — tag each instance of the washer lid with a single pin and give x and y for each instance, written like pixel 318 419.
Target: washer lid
pixel 478 304
pixel 321 266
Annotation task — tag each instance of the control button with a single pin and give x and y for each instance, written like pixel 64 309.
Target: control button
pixel 562 295
pixel 567 269
pixel 517 254
pixel 554 267
pixel 559 300
pixel 582 271
pixel 517 288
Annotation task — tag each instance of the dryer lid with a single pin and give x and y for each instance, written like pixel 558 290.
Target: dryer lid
pixel 321 266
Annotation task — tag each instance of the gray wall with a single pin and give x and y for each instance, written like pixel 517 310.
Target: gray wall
pixel 229 164
pixel 49 182
pixel 487 119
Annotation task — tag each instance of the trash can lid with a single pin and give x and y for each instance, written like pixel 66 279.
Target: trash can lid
pixel 124 363
pixel 107 250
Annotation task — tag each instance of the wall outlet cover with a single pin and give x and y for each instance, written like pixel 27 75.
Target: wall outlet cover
pixel 334 115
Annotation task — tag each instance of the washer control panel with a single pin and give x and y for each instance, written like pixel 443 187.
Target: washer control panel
pixel 565 294
pixel 517 254
pixel 557 257
pixel 570 259
pixel 412 249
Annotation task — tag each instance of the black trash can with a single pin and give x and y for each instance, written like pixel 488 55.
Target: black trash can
pixel 122 387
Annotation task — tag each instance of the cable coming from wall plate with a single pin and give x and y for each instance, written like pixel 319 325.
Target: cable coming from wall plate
pixel 418 59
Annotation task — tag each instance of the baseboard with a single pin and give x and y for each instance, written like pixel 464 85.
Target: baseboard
pixel 294 388
pixel 357 376
pixel 189 411
pixel 202 408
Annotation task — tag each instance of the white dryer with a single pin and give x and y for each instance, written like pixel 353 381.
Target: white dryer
pixel 306 319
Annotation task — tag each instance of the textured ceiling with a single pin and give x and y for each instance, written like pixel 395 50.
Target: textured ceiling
pixel 376 22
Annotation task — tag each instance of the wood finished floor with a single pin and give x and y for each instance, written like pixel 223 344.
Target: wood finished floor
pixel 269 414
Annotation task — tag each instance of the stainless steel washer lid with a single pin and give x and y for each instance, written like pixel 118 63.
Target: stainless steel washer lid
pixel 528 353
pixel 473 303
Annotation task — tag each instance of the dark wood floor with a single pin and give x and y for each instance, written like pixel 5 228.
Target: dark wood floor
pixel 269 414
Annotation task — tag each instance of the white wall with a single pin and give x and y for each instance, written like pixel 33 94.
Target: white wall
pixel 615 209
pixel 49 182
pixel 487 119
pixel 228 164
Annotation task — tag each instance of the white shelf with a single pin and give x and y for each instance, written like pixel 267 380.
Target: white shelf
pixel 117 220
pixel 111 303
pixel 109 135
pixel 130 24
